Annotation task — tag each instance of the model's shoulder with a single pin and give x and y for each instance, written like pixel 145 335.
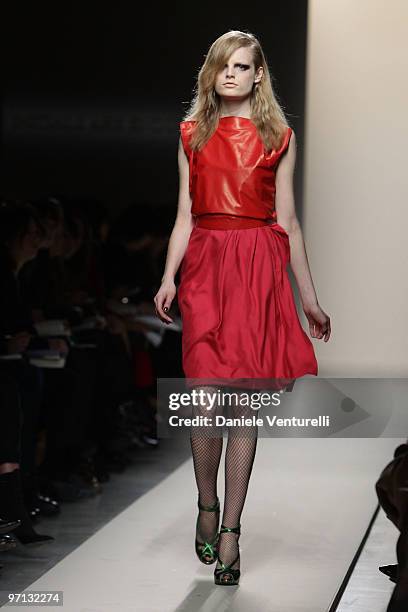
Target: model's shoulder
pixel 288 136
pixel 291 138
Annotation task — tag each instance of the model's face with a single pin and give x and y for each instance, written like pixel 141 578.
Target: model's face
pixel 236 79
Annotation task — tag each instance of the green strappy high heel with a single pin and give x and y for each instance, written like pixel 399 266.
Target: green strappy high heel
pixel 207 551
pixel 225 575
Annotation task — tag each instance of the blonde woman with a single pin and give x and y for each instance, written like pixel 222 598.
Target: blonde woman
pixel 240 325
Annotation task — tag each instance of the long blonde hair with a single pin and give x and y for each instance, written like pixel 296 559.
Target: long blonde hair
pixel 266 112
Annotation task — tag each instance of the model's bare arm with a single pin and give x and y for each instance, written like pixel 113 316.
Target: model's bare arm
pixel 178 240
pixel 319 322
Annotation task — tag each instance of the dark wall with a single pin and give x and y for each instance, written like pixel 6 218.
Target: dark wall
pixel 93 99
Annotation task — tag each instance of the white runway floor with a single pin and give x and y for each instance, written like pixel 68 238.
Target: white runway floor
pixel 308 506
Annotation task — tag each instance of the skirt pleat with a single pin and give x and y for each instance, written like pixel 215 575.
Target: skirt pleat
pixel 239 317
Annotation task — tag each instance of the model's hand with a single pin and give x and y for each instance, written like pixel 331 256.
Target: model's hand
pixel 163 300
pixel 319 322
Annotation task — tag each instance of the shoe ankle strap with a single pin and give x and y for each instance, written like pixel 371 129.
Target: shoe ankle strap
pixel 210 508
pixel 225 529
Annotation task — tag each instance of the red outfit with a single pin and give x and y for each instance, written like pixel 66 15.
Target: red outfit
pixel 240 323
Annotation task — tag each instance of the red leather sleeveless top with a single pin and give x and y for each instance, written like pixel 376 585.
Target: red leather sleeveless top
pixel 233 174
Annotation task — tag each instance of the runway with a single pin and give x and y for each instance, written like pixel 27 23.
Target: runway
pixel 308 506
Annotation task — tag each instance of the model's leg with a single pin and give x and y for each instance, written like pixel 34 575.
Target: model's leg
pixel 239 458
pixel 206 445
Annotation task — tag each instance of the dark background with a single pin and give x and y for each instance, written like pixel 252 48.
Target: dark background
pixel 93 95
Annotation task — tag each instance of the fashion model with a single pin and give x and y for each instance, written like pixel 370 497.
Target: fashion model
pixel 240 324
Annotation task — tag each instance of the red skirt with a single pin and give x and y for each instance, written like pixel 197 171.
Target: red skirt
pixel 239 318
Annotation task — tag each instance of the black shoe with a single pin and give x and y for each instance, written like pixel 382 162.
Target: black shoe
pixel 47 505
pixel 86 478
pixel 34 539
pixel 42 505
pixel 391 571
pixel 7 543
pixel 12 507
pixel 226 575
pixel 33 510
pixel 7 526
pixel 84 474
pixel 38 503
pixel 150 439
pixel 207 551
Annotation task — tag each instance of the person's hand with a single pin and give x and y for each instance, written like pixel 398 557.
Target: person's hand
pixel 18 343
pixel 58 344
pixel 163 300
pixel 319 322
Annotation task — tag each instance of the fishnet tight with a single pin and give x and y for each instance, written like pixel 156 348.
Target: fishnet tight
pixel 206 445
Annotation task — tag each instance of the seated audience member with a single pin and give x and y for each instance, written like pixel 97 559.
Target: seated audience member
pixel 19 242
pixel 392 493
